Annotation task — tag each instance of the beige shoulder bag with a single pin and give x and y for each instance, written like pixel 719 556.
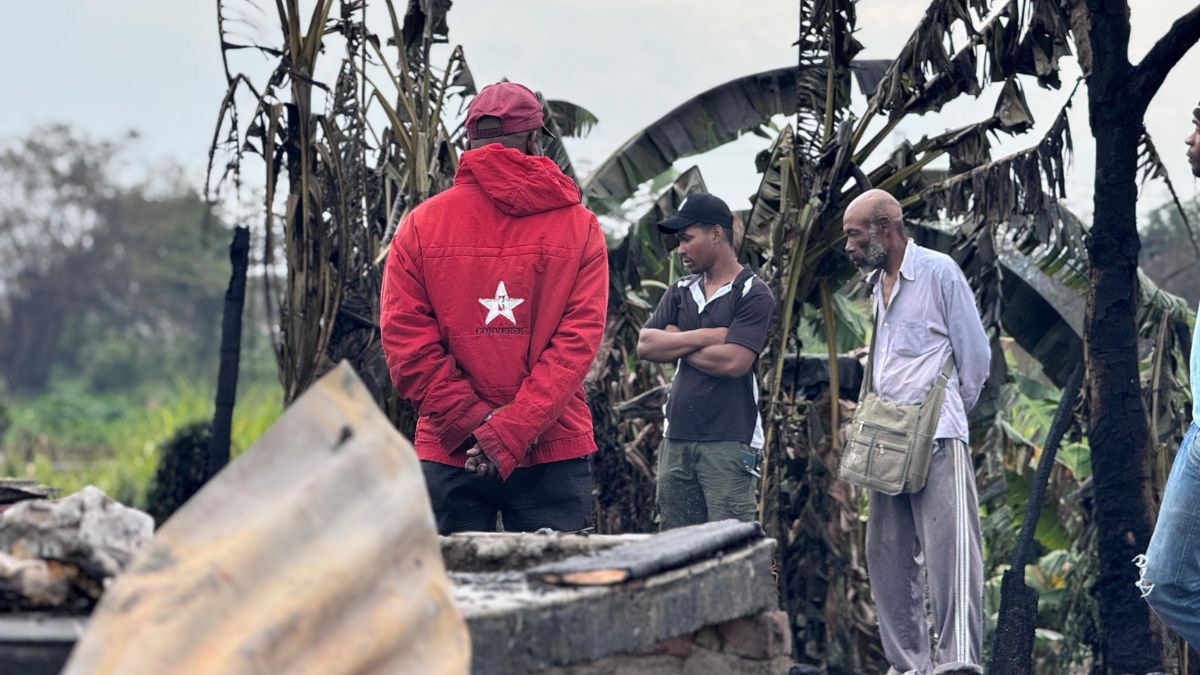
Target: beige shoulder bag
pixel 890 446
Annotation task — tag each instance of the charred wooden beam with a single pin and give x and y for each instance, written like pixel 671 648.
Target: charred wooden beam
pixel 638 560
pixel 507 551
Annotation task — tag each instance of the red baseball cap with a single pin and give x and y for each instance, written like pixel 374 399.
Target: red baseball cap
pixel 514 104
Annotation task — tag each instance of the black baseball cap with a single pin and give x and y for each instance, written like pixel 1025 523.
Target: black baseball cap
pixel 698 208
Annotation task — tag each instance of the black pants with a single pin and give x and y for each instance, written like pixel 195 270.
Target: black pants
pixel 557 495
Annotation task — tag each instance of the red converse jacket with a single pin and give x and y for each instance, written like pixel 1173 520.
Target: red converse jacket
pixel 493 303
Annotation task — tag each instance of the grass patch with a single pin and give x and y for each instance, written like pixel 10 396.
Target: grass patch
pixel 69 438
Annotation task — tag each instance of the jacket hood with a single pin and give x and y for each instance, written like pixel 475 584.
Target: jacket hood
pixel 518 184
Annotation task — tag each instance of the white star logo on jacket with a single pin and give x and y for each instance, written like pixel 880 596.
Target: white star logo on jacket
pixel 501 305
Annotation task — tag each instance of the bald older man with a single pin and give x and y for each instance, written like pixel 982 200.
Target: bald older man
pixel 924 314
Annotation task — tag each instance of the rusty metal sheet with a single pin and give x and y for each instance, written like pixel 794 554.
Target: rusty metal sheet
pixel 315 552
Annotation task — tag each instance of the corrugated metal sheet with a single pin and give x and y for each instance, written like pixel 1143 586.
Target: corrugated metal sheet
pixel 315 552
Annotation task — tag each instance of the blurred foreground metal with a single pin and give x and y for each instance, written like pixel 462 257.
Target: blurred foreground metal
pixel 314 552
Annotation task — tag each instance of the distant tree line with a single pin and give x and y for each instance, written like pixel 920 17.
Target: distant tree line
pixel 1168 255
pixel 105 280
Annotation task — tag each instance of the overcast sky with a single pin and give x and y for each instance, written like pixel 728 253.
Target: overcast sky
pixel 155 67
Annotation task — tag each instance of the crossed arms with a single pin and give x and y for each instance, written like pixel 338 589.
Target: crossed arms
pixel 703 348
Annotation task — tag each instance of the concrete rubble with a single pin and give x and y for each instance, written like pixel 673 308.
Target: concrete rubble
pixel 60 554
pixel 715 609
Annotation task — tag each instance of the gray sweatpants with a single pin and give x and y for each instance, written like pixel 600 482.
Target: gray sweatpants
pixel 930 537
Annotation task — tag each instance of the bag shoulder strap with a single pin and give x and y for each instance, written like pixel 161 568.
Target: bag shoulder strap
pixel 866 386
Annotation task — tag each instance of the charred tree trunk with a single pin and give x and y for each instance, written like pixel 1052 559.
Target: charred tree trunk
pixel 1118 92
pixel 231 345
pixel 29 338
pixel 1120 443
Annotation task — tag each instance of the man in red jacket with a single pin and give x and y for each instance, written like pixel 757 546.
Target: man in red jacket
pixel 492 310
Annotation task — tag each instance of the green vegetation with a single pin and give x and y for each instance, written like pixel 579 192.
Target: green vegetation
pixel 69 437
pixel 110 305
pixel 1062 570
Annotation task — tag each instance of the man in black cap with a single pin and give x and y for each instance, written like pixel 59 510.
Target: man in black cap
pixel 712 323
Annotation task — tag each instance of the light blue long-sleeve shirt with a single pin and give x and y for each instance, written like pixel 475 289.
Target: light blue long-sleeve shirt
pixel 930 315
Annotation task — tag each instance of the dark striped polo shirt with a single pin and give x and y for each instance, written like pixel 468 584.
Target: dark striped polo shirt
pixel 702 407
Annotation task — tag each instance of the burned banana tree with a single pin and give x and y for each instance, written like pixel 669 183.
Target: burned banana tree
pixel 290 136
pixel 1122 447
pixel 346 160
pixel 813 170
pixel 1119 93
pixel 627 395
pixel 342 160
pixel 1010 203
